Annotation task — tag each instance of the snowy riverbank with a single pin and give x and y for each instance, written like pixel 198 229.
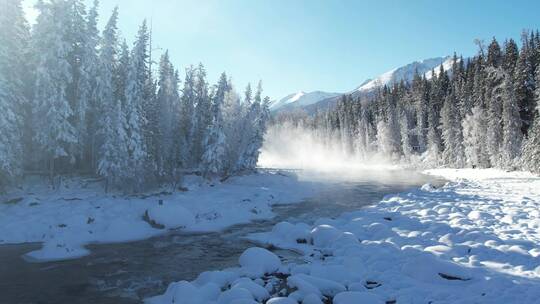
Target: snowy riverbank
pixel 475 240
pixel 79 213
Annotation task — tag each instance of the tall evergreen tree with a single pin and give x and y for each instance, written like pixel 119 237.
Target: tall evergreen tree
pixel 524 85
pixel 187 120
pixel 474 133
pixel 511 55
pixel 55 132
pixel 113 152
pixel 512 136
pixel 213 159
pixel 495 95
pixel 168 111
pixel 135 116
pixel 203 113
pixel 86 84
pixel 14 39
pixel 531 146
pixel 452 154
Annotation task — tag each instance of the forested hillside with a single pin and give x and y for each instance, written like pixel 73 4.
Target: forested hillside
pixel 481 113
pixel 78 100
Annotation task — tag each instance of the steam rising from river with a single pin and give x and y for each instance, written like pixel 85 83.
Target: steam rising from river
pixel 287 146
pixel 296 147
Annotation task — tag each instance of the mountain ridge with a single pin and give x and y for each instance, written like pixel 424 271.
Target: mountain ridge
pixel 365 89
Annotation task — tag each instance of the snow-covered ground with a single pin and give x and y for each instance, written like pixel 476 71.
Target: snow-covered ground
pixel 79 213
pixel 474 240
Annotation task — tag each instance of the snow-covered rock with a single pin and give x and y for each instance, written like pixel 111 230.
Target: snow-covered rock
pixel 299 233
pixel 171 216
pixel 187 293
pixel 256 290
pixel 325 235
pixel 309 284
pixel 257 261
pixel 234 295
pixel 281 300
pixel 356 297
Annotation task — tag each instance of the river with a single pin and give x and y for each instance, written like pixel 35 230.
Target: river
pixel 129 272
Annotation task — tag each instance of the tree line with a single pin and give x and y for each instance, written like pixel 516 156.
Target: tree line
pixel 480 113
pixel 74 99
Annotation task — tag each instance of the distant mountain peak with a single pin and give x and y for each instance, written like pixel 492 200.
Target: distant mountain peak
pixel 301 99
pixel 406 73
pixel 317 99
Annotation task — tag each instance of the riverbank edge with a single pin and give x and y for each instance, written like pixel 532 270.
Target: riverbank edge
pixel 68 219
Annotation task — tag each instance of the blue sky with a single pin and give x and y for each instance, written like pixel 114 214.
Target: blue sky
pixel 316 44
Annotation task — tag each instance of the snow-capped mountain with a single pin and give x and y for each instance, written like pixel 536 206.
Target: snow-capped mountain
pixel 301 99
pixel 318 100
pixel 406 73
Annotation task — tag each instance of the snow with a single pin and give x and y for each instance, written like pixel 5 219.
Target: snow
pixel 172 215
pixel 474 240
pixel 80 213
pixel 297 96
pixel 324 235
pixel 406 73
pixel 353 297
pixel 258 292
pixel 259 261
pixel 281 300
pixel 301 99
pixel 383 79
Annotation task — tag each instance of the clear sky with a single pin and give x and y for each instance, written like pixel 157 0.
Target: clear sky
pixel 310 45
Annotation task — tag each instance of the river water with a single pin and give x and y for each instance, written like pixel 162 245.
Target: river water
pixel 129 272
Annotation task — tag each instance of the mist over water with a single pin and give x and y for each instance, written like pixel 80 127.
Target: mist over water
pixel 288 146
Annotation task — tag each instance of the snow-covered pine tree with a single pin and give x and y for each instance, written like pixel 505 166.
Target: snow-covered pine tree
pixel 474 134
pixel 187 121
pixel 121 73
pixel 55 133
pixel 149 124
pixel 135 86
pixel 85 94
pixel 524 85
pixel 213 159
pixel 248 95
pixel 530 159
pixel 479 79
pixel 253 134
pixel 452 154
pixel 233 117
pixel 419 97
pixel 203 114
pixel 384 139
pixel 531 150
pixel 75 34
pixel 113 152
pixel 466 90
pixel 14 39
pixel 495 94
pixel 494 56
pixel 168 112
pixel 511 55
pixel 405 136
pixel 511 121
pixel 388 129
pixel 365 133
pixel 438 92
